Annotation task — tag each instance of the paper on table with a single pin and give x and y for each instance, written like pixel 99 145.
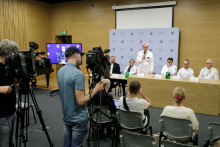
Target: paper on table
pixel 140 74
pixel 158 76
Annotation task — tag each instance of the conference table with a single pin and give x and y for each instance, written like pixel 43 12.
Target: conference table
pixel 202 95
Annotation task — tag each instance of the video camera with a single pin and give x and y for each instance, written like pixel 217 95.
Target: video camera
pixel 98 63
pixel 22 63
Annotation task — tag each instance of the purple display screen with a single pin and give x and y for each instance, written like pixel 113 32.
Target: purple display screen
pixel 56 51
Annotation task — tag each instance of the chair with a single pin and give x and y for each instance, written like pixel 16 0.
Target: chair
pixel 166 143
pixel 213 131
pixel 177 129
pixel 129 139
pixel 132 122
pixel 105 118
pixel 119 87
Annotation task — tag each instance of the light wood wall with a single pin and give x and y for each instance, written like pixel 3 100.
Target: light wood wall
pixel 198 21
pixel 13 21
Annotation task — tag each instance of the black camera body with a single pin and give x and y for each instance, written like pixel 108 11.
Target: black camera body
pixel 22 63
pixel 98 63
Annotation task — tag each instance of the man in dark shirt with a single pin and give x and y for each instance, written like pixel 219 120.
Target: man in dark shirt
pixel 109 98
pixel 114 68
pixel 7 95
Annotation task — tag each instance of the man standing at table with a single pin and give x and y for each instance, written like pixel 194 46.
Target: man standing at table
pixel 145 60
pixel 186 71
pixel 169 68
pixel 114 69
pixel 209 72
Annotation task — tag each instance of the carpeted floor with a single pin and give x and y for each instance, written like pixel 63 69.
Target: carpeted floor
pixel 51 108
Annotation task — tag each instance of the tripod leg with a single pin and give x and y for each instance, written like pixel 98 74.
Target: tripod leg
pixel 39 112
pixel 88 141
pixel 33 113
pixel 113 136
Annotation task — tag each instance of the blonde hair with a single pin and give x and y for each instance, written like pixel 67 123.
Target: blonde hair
pixel 130 60
pixel 179 91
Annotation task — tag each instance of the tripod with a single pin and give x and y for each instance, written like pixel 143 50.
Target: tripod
pixel 96 124
pixel 21 134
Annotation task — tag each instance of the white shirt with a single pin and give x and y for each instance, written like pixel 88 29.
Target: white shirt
pixel 132 71
pixel 209 74
pixel 185 72
pixel 172 69
pixel 146 65
pixel 111 68
pixel 181 113
pixel 135 105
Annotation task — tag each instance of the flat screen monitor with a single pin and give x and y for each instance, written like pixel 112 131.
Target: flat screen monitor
pixel 56 51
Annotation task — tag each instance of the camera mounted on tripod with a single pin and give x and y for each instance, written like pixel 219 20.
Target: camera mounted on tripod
pixel 98 63
pixel 22 64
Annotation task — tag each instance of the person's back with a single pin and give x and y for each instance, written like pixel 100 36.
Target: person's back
pixel 178 110
pixel 134 104
pixel 69 77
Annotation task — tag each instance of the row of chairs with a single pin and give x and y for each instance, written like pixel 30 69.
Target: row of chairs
pixel 179 130
pixel 134 134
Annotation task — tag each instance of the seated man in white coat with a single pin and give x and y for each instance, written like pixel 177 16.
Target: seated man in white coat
pixel 132 69
pixel 186 71
pixel 145 60
pixel 209 72
pixel 169 68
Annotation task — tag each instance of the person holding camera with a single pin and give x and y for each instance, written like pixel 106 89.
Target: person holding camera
pixel 71 84
pixel 7 96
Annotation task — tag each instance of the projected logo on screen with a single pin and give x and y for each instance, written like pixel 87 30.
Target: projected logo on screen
pixel 171 50
pixel 113 34
pixel 131 34
pixel 172 33
pixel 122 41
pixel 161 41
pixel 150 50
pixel 160 58
pixel 141 41
pixel 151 33
pixel 113 49
pixel 131 49
pixel 122 57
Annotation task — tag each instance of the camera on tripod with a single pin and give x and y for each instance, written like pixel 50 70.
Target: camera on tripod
pixel 98 63
pixel 22 63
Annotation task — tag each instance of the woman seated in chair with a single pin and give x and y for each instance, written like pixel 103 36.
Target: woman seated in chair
pixel 132 69
pixel 178 110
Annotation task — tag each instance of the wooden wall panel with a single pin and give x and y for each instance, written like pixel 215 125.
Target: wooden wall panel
pixel 39 25
pixel 198 21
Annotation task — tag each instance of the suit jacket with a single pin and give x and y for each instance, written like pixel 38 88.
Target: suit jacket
pixel 116 68
pixel 96 98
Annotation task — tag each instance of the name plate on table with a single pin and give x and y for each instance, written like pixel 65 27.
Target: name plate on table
pixel 176 77
pixel 140 74
pixel 115 75
pixel 194 79
pixel 158 76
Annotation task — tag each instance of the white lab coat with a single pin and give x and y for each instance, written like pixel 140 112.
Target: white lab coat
pixel 209 74
pixel 185 72
pixel 132 71
pixel 146 65
pixel 172 69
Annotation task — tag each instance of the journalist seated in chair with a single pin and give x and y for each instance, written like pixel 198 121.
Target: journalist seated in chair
pixel 134 104
pixel 104 102
pixel 132 69
pixel 178 110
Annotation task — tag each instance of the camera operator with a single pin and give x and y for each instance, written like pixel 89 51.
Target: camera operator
pixel 71 84
pixel 7 95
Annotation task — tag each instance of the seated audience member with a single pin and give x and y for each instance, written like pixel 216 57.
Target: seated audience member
pixel 135 104
pixel 132 69
pixel 104 102
pixel 216 142
pixel 178 110
pixel 169 68
pixel 209 72
pixel 186 71
pixel 114 68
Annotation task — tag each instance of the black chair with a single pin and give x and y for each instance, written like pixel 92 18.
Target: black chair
pixel 213 132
